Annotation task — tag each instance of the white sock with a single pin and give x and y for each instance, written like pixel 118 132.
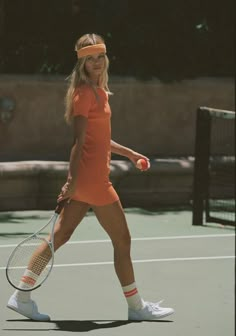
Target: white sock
pixel 27 281
pixel 132 296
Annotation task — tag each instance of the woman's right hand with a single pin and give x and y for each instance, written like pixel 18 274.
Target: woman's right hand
pixel 67 190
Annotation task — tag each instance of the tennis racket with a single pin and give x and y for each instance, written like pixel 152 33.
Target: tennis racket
pixel 35 253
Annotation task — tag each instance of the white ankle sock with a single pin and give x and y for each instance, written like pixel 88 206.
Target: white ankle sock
pixel 27 281
pixel 132 296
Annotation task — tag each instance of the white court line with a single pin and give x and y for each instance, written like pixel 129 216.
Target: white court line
pixel 101 263
pixel 140 239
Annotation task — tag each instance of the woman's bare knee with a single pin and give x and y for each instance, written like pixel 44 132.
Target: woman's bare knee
pixel 122 248
pixel 122 244
pixel 113 221
pixel 61 237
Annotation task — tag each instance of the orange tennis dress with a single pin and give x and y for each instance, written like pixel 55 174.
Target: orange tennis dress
pixel 94 186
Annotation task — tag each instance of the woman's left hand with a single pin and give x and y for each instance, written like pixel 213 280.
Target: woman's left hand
pixel 134 157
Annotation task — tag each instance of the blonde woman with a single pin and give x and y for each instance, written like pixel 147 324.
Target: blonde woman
pixel 88 184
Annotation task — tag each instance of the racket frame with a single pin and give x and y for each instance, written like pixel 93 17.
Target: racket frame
pixel 50 244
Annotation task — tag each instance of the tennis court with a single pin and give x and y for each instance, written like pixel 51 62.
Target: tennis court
pixel 191 267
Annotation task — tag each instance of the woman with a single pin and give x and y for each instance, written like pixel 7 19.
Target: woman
pixel 88 184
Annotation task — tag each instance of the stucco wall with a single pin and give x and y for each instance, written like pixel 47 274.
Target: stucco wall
pixel 153 117
pixel 29 185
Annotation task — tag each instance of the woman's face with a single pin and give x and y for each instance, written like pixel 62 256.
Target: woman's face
pixel 94 65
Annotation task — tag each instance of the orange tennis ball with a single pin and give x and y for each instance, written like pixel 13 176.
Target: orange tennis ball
pixel 142 164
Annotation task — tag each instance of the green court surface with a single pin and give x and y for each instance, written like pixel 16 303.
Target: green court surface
pixel 190 267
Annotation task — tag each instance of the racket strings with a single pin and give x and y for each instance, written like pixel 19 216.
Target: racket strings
pixel 34 254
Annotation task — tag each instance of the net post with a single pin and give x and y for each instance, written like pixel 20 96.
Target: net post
pixel 200 178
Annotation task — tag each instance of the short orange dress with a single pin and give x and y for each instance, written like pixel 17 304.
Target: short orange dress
pixel 94 186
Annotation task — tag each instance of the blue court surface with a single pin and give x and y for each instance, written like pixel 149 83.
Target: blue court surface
pixel 190 267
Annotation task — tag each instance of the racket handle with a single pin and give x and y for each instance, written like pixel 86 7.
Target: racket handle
pixel 60 206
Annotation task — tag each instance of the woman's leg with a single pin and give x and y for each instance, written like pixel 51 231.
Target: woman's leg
pixel 70 217
pixel 112 219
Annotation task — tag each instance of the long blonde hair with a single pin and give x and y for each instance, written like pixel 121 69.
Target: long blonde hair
pixel 79 75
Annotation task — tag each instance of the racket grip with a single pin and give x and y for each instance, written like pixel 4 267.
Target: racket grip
pixel 60 206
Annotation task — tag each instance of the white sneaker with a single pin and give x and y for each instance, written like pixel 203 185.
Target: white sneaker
pixel 28 309
pixel 150 311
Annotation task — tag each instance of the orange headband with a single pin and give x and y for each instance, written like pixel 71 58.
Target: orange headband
pixel 91 50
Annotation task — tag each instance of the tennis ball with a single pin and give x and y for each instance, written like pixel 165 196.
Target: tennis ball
pixel 142 164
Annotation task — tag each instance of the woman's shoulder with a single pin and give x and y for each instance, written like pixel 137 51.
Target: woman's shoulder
pixel 83 90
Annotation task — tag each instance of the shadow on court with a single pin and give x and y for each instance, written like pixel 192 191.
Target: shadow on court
pixel 78 325
pixel 12 218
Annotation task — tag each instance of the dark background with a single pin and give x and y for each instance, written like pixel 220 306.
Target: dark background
pixel 165 39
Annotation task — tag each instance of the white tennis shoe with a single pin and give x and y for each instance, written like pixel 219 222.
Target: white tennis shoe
pixel 150 311
pixel 28 309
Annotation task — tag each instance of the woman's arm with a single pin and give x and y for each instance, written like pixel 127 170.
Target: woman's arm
pixel 80 125
pixel 119 149
pixel 127 152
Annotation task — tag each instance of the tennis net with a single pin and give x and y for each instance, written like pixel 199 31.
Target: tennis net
pixel 214 167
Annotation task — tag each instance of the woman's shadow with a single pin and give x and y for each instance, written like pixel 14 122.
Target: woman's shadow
pixel 78 325
pixel 83 326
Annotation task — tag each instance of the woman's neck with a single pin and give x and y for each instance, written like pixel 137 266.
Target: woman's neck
pixel 95 80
